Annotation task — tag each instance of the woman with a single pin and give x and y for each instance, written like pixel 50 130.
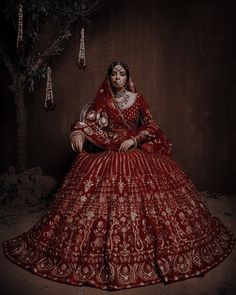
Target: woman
pixel 126 214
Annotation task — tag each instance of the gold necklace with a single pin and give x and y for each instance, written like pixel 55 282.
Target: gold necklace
pixel 121 98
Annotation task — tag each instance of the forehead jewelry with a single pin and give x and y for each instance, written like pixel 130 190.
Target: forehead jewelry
pixel 118 68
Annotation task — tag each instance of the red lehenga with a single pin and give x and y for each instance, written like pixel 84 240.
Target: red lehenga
pixel 123 219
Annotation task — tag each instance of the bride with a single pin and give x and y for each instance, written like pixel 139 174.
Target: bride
pixel 126 214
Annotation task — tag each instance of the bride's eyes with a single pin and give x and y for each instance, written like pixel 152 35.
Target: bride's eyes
pixel 123 74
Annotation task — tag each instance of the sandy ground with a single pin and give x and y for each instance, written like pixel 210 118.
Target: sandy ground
pixel 16 281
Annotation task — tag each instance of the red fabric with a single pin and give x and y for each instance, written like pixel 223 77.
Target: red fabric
pixel 123 219
pixel 135 121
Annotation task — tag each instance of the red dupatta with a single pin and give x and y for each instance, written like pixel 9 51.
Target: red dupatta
pixel 111 139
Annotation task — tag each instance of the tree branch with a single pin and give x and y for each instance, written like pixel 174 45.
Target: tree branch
pixel 54 48
pixel 93 6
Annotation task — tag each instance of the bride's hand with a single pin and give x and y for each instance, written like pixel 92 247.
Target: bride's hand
pixel 77 142
pixel 126 144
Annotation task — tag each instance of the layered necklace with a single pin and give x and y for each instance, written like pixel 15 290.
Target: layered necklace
pixel 122 98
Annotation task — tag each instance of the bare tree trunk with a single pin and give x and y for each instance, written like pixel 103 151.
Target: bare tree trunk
pixel 21 125
pixel 18 88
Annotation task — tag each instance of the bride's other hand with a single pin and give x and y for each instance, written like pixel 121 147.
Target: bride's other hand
pixel 126 144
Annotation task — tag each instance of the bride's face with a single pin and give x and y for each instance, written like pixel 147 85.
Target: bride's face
pixel 118 77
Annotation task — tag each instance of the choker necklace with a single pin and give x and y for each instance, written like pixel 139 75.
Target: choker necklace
pixel 120 93
pixel 121 98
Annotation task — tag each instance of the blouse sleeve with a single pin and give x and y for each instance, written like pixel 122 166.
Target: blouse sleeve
pixel 148 129
pixel 149 132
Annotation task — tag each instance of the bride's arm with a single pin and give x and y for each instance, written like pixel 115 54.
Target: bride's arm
pixel 96 128
pixel 149 130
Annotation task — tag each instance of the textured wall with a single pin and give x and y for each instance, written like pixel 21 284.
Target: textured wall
pixel 181 58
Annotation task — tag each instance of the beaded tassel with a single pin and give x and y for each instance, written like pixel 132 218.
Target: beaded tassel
pixel 81 59
pixel 19 42
pixel 49 103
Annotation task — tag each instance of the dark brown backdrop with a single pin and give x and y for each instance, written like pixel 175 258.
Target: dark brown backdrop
pixel 181 56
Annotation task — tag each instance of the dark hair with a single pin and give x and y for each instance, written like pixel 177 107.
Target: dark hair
pixel 115 63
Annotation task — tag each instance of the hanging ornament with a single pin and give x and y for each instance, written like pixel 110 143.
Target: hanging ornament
pixel 19 42
pixel 81 58
pixel 49 102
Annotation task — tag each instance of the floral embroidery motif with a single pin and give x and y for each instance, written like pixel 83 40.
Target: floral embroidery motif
pixel 91 115
pixel 121 186
pixel 87 185
pixel 88 130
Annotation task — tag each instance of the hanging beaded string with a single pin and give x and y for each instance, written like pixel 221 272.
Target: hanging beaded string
pixel 49 102
pixel 81 58
pixel 19 42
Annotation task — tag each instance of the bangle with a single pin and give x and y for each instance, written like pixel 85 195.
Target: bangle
pixel 135 141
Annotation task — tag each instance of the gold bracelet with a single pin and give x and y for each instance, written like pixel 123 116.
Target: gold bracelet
pixel 135 141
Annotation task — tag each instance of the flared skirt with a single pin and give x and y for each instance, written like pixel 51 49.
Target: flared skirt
pixel 122 220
